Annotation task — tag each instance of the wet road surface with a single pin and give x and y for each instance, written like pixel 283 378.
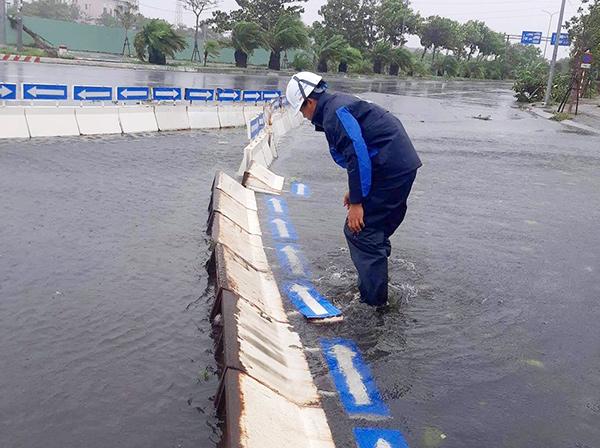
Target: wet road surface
pixel 493 337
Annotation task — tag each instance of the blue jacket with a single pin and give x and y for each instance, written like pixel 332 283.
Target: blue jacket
pixel 366 140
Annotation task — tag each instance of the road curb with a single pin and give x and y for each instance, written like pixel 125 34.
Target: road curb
pixel 567 123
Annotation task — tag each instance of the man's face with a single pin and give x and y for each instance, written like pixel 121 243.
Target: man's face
pixel 308 108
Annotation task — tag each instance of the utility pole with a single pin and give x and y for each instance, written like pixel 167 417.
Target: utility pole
pixel 2 22
pixel 551 14
pixel 555 54
pixel 406 5
pixel 19 25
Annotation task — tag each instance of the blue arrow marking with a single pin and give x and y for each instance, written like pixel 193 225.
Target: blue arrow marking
pixel 309 302
pixel 300 189
pixel 229 94
pixel 8 91
pixel 92 93
pixel 353 379
pixel 269 95
pixel 44 92
pixel 251 96
pixel 292 261
pixel 277 206
pixel 166 93
pixel 379 438
pixel 282 229
pixel 133 93
pixel 199 94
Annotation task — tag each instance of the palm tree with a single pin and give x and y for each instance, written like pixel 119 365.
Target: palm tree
pixel 400 59
pixel 349 56
pixel 380 53
pixel 327 48
pixel 289 32
pixel 211 49
pixel 245 38
pixel 159 40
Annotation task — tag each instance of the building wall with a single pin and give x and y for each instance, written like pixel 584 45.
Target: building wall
pixel 93 9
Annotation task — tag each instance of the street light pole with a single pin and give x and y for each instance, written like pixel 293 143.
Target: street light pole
pixel 2 22
pixel 555 54
pixel 551 14
pixel 19 25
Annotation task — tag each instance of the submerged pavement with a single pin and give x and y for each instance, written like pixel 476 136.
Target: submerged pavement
pixel 493 337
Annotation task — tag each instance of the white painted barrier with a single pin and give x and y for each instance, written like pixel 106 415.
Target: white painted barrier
pixel 46 121
pixel 172 117
pixel 256 287
pixel 268 351
pixel 137 119
pixel 235 190
pixel 229 207
pixel 204 117
pixel 232 116
pixel 13 123
pixel 94 120
pixel 257 151
pixel 260 417
pixel 260 179
pixel 251 112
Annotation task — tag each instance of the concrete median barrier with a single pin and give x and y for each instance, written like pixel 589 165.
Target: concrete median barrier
pixel 251 112
pixel 172 117
pixel 260 179
pixel 137 119
pixel 98 120
pixel 237 276
pixel 14 123
pixel 235 190
pixel 257 151
pixel 267 351
pixel 240 215
pixel 243 244
pixel 51 121
pixel 232 116
pixel 204 117
pixel 258 417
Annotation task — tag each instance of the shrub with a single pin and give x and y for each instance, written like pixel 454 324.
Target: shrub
pixel 530 83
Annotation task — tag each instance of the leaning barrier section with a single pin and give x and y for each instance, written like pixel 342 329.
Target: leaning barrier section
pixel 267 396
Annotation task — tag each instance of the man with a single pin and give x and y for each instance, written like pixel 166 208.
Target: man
pixel 372 145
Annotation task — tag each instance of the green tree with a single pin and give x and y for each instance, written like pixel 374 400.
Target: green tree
pixel 158 40
pixel 492 44
pixel 326 46
pixel 381 55
pixel 279 21
pixel 394 19
pixel 49 9
pixel 400 59
pixel 584 31
pixel 352 19
pixel 107 20
pixel 245 38
pixel 288 33
pixel 212 48
pixel 197 7
pixel 437 32
pixel 126 16
pixel 474 32
pixel 349 56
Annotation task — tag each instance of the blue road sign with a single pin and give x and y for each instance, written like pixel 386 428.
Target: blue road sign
pixel 269 95
pixel 229 95
pixel 92 93
pixel 166 93
pixel 133 93
pixel 255 127
pixel 44 92
pixel 379 438
pixel 353 379
pixel 564 40
pixel 531 37
pixel 306 298
pixel 199 94
pixel 8 91
pixel 251 96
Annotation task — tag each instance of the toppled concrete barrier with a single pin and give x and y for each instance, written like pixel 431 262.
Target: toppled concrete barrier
pixel 227 206
pixel 258 417
pixel 260 179
pixel 235 190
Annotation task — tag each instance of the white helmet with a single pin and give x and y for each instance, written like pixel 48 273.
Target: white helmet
pixel 300 87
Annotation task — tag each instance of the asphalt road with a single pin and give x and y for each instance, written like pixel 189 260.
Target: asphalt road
pixel 493 338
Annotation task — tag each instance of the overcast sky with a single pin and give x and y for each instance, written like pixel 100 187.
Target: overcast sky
pixel 506 16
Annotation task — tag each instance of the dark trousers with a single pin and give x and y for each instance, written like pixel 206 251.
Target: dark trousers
pixel 385 209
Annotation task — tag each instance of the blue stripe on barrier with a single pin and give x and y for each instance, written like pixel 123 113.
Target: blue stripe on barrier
pixel 309 302
pixel 379 438
pixel 353 379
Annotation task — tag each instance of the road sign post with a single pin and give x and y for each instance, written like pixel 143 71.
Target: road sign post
pixel 564 40
pixel 199 95
pixel 531 37
pixel 587 60
pixel 133 93
pixel 229 95
pixel 92 93
pixel 554 55
pixel 44 92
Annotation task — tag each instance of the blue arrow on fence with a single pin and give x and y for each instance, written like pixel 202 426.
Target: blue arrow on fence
pixel 44 92
pixel 92 93
pixel 269 95
pixel 133 93
pixel 229 94
pixel 251 96
pixel 8 91
pixel 166 93
pixel 199 94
